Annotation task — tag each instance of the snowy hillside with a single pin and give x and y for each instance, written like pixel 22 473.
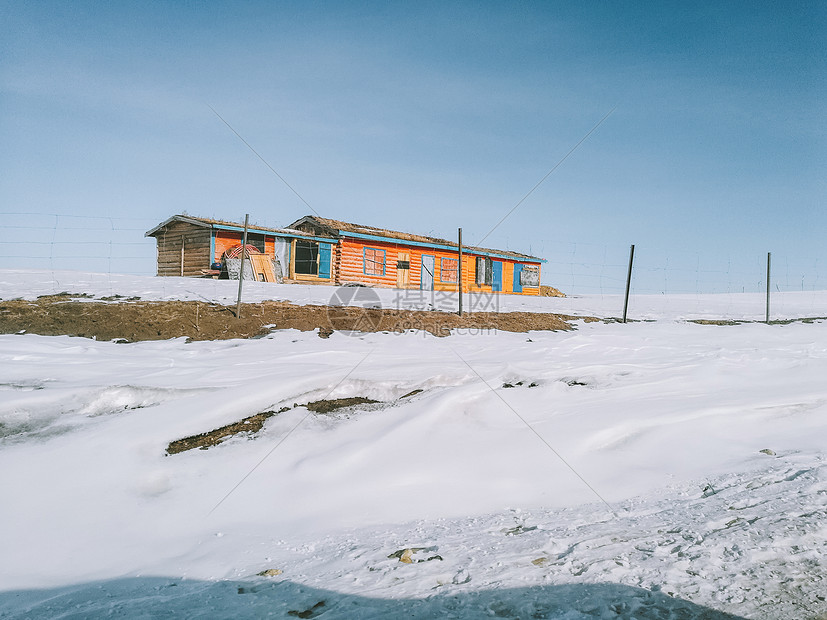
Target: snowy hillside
pixel 657 469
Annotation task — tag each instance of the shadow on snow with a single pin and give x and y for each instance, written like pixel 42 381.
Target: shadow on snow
pixel 157 597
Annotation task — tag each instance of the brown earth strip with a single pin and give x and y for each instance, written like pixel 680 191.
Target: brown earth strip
pixel 249 425
pixel 254 423
pixel 326 406
pixel 133 320
pixel 550 291
pixel 808 320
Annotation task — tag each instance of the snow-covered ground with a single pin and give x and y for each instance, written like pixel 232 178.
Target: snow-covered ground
pixel 29 284
pixel 651 470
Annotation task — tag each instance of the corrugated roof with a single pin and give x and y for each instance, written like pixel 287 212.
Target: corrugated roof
pixel 209 222
pixel 338 227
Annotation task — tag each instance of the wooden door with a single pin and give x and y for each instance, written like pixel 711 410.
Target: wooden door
pixel 403 269
pixel 517 285
pixel 497 276
pixel 427 281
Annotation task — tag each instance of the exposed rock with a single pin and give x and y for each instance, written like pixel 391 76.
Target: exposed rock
pixel 270 572
pixel 406 555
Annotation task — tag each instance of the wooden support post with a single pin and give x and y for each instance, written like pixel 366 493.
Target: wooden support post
pixel 241 270
pixel 459 270
pixel 182 255
pixel 769 259
pixel 628 281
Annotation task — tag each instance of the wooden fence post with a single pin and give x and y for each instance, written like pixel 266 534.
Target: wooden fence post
pixel 459 270
pixel 769 258
pixel 628 281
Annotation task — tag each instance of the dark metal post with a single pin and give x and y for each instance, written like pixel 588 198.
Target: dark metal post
pixel 241 270
pixel 459 270
pixel 769 258
pixel 628 281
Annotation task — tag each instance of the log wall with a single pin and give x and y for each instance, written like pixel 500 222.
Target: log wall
pixel 350 262
pixel 195 241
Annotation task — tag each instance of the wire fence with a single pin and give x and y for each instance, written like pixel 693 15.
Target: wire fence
pixel 117 245
pixel 76 242
pixel 588 268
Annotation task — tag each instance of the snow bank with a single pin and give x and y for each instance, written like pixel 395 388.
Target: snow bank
pixel 619 456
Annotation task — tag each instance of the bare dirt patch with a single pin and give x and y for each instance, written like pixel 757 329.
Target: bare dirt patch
pixel 134 320
pixel 550 291
pixel 328 406
pixel 808 320
pixel 249 426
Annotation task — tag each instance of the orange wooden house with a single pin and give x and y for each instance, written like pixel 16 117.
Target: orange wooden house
pixel 392 259
pixel 319 250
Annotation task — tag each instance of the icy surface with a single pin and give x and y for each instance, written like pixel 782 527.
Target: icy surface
pixel 650 470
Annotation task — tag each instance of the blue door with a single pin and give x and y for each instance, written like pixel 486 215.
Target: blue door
pixel 426 282
pixel 497 279
pixel 324 260
pixel 518 286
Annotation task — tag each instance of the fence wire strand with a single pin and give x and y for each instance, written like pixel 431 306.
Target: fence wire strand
pixel 106 244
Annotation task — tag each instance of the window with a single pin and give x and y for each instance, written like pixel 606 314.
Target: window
pixel 448 268
pixel 307 257
pixel 255 240
pixel 530 275
pixel 485 270
pixel 374 262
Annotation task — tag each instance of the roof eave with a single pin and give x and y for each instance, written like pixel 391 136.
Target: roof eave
pixel 316 222
pixel 176 218
pixel 442 244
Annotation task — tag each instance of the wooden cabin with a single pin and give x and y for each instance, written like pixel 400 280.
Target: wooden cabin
pixel 196 246
pixel 320 250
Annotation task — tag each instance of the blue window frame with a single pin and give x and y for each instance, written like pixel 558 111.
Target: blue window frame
pixel 373 262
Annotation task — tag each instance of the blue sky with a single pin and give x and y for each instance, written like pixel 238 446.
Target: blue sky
pixel 424 117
